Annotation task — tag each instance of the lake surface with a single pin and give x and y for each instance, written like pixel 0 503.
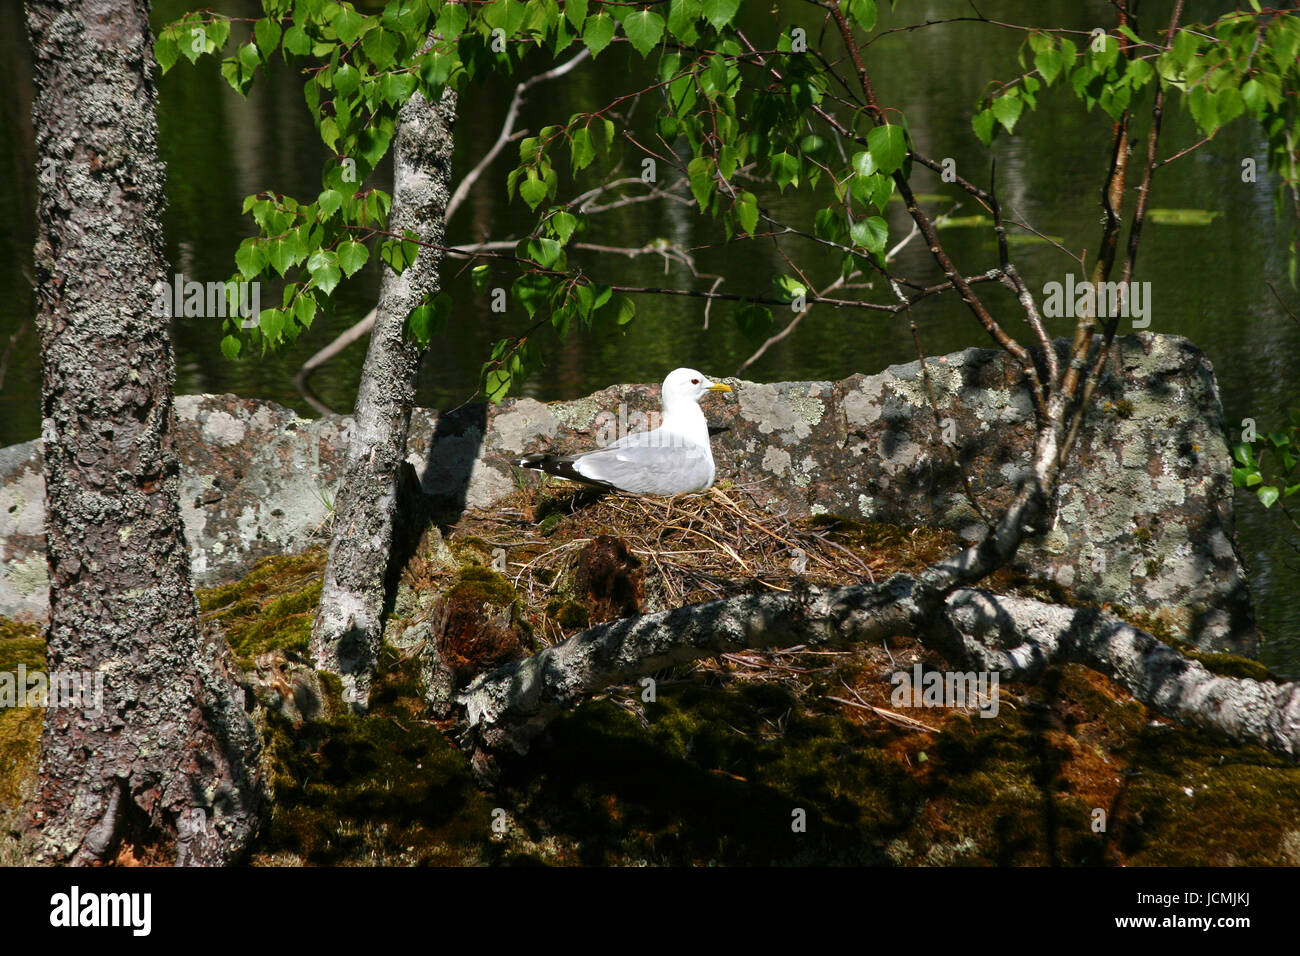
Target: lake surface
pixel 1208 282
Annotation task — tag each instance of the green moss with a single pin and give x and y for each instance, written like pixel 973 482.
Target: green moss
pixel 397 688
pixel 1225 665
pixel 719 771
pixel 1155 626
pixel 295 602
pixel 333 686
pixel 373 789
pixel 19 630
pixel 269 575
pixel 271 607
pixel 571 614
pixel 384 788
pixel 1230 665
pixel 283 623
pixel 482 585
pixel 20 739
pixel 1194 803
pixel 710 780
pixel 21 643
pixel 469 551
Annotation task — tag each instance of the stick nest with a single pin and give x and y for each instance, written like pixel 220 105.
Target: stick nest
pixel 578 557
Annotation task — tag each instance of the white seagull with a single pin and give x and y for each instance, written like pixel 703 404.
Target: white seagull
pixel 672 459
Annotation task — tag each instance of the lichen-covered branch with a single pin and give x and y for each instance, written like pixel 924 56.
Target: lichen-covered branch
pixel 1019 638
pixel 505 710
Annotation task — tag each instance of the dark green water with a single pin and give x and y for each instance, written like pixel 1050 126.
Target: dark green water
pixel 1208 282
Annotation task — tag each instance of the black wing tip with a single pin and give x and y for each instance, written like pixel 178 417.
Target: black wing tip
pixel 560 466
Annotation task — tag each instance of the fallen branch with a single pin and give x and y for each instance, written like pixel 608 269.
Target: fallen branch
pixel 1039 635
pixel 504 710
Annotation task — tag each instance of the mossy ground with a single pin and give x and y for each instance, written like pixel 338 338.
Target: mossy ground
pixel 717 767
pixel 270 607
pixel 20 727
pixel 386 789
pixel 724 761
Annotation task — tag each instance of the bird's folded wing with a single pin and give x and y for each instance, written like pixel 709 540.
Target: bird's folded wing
pixel 648 469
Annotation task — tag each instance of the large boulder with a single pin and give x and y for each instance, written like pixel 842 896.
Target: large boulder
pixel 1143 519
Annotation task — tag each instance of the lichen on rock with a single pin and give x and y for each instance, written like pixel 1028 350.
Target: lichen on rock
pixel 259 481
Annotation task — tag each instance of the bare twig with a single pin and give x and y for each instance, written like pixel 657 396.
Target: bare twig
pixel 1130 260
pixel 508 129
pixel 910 722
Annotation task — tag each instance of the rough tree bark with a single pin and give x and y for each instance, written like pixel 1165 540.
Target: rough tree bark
pixel 345 635
pixel 172 756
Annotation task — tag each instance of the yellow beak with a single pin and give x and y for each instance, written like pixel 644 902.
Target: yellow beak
pixel 719 387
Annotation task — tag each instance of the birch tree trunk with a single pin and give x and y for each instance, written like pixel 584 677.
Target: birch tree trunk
pixel 166 759
pixel 346 633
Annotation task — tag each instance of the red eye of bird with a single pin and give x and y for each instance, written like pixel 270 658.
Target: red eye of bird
pixel 695 381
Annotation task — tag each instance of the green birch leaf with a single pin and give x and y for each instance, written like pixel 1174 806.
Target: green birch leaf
pixel 888 147
pixel 352 256
pixel 870 233
pixel 1007 109
pixel 644 30
pixel 747 211
pixel 598 33
pixel 720 12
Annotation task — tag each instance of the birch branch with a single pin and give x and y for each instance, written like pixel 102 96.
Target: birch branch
pixel 503 711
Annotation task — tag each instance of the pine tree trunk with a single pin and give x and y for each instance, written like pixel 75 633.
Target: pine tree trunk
pixel 346 633
pixel 167 768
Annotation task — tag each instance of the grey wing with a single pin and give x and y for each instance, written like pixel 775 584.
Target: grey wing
pixel 649 467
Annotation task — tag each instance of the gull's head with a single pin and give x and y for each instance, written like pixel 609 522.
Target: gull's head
pixel 688 385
